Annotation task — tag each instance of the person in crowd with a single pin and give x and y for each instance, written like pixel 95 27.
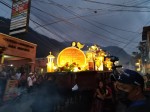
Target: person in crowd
pixel 108 101
pixel 130 86
pixel 39 81
pixel 34 80
pixel 23 80
pixel 102 92
pixel 18 75
pixel 30 82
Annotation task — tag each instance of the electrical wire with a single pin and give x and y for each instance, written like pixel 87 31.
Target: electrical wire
pixel 75 14
pixel 127 43
pixel 81 8
pixel 82 28
pixel 38 24
pixel 83 16
pixel 85 29
pixel 119 5
pixel 63 20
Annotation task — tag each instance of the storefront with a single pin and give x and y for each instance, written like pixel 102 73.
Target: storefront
pixel 16 52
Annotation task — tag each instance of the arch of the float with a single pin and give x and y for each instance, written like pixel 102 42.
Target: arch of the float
pixel 71 55
pixel 17 51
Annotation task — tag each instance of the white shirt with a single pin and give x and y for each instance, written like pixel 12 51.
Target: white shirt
pixel 30 82
pixel 18 75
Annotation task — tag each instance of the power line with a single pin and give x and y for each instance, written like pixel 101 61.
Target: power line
pixel 81 8
pixel 124 46
pixel 30 19
pixel 6 4
pixel 75 14
pixel 128 43
pixel 132 39
pixel 85 29
pixel 39 24
pixel 77 26
pixel 116 27
pixel 115 9
pixel 119 5
pixel 90 15
pixel 76 18
pixel 36 23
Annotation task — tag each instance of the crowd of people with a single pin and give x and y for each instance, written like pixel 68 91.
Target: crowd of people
pixel 26 80
pixel 125 94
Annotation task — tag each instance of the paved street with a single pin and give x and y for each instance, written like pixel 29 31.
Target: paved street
pixel 18 105
pixel 23 104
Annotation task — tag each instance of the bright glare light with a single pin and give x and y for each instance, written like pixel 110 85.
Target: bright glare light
pixel 55 67
pixel 137 64
pixel 6 56
pixel 138 69
pixel 75 69
pixel 42 70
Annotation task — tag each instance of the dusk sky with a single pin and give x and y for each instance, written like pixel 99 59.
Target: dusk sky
pixel 103 22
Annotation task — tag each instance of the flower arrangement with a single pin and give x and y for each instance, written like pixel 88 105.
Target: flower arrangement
pixel 69 67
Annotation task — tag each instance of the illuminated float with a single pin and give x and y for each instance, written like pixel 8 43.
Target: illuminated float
pixel 73 59
pixel 83 68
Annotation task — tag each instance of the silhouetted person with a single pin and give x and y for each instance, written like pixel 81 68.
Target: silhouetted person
pixel 130 85
pixel 102 93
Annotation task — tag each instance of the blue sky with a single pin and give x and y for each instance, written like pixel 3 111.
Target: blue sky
pixel 107 23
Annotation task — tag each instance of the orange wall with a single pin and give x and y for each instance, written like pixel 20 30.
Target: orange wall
pixel 17 47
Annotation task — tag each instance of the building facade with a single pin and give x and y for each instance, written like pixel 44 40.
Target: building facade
pixel 17 52
pixel 144 47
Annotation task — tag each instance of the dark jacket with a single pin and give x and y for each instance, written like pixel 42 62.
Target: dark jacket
pixel 140 106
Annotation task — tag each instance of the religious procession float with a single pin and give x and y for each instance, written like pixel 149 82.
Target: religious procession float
pixel 75 66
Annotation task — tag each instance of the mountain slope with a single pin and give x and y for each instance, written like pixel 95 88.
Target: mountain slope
pixel 4 25
pixel 124 58
pixel 44 44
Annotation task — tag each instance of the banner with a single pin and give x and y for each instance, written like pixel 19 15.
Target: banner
pixel 20 16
